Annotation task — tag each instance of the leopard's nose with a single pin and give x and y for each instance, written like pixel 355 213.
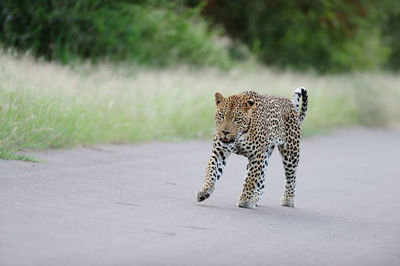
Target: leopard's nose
pixel 225 133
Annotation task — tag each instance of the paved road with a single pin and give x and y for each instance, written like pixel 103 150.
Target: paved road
pixel 135 205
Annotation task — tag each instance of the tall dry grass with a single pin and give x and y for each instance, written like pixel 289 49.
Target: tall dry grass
pixel 45 105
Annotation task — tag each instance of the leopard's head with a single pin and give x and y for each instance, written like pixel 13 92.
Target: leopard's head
pixel 232 117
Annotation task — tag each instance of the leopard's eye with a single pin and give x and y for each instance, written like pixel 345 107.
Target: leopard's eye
pixel 237 119
pixel 221 116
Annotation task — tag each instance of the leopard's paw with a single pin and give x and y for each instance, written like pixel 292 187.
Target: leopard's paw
pixel 247 204
pixel 288 201
pixel 204 194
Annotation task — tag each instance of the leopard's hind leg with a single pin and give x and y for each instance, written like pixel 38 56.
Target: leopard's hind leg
pixel 290 153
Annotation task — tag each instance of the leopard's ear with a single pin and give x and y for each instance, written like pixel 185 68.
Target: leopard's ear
pixel 218 98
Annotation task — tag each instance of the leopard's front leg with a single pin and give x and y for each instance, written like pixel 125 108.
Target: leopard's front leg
pixel 215 167
pixel 254 182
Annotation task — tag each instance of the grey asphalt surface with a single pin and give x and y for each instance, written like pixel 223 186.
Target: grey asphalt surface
pixel 136 205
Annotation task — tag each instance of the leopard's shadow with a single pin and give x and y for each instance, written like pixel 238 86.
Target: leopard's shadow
pixel 276 213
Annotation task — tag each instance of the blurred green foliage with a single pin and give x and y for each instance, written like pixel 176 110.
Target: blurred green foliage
pixel 391 32
pixel 326 35
pixel 156 33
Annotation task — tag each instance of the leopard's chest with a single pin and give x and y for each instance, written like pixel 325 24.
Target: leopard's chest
pixel 245 146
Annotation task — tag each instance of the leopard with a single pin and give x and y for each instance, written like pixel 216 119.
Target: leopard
pixel 253 125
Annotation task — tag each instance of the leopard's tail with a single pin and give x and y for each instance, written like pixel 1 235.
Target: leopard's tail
pixel 304 102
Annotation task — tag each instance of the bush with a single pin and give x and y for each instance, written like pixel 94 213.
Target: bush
pixel 156 33
pixel 330 36
pixel 391 34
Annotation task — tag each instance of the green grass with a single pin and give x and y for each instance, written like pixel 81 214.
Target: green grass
pixel 45 105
